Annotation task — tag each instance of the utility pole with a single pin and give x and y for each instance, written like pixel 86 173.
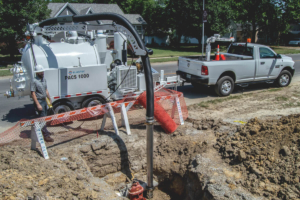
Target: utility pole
pixel 203 29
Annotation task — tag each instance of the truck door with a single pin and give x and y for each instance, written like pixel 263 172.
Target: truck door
pixel 266 63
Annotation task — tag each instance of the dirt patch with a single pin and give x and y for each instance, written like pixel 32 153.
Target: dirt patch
pixel 267 153
pixel 244 106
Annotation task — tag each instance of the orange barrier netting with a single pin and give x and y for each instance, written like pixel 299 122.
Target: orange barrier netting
pixel 77 123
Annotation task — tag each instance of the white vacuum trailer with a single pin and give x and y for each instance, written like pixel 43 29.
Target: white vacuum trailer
pixel 79 70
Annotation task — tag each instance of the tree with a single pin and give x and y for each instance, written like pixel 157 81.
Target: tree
pixel 178 18
pixel 219 18
pixel 186 17
pixel 268 16
pixel 287 12
pixel 14 17
pixel 152 12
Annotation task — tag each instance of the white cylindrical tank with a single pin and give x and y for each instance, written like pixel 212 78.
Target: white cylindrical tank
pixel 64 55
pixel 54 56
pixel 119 39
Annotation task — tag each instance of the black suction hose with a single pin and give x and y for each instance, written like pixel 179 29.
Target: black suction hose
pixel 119 19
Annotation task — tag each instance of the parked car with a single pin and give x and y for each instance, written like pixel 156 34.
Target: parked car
pixel 243 64
pixel 295 42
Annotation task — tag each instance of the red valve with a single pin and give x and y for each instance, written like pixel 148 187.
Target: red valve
pixel 136 192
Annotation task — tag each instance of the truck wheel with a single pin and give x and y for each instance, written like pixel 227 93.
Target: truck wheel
pixel 93 101
pixel 61 107
pixel 284 79
pixel 224 86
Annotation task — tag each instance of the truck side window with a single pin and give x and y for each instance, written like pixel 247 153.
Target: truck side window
pixel 266 53
pixel 241 50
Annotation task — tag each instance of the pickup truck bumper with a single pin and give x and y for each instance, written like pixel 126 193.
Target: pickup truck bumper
pixel 192 78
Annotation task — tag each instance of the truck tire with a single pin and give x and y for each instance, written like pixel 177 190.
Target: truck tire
pixel 61 107
pixel 93 101
pixel 284 79
pixel 224 86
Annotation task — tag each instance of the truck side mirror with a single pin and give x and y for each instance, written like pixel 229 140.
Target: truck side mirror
pixel 278 56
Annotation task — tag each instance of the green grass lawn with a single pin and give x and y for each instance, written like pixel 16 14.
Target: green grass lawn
pixel 6 57
pixel 5 73
pixel 6 66
pixel 170 52
pixel 285 50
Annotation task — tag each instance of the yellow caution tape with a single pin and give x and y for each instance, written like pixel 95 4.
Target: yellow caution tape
pixel 241 122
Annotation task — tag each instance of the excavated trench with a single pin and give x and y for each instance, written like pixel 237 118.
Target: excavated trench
pixel 185 164
pixel 172 153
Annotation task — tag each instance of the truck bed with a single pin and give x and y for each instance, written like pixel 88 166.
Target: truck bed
pixel 228 56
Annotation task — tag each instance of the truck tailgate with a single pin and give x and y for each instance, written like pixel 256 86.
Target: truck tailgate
pixel 190 65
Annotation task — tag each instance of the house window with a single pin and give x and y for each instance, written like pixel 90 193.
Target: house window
pixel 139 29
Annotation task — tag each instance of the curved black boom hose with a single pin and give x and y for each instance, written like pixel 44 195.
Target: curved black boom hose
pixel 148 76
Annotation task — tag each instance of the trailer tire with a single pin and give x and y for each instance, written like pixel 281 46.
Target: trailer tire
pixel 284 79
pixel 224 86
pixel 93 101
pixel 61 107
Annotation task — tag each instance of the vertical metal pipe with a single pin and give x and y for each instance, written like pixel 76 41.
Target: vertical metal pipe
pixel 162 75
pixel 203 29
pixel 149 122
pixel 150 157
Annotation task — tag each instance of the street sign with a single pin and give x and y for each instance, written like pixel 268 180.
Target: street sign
pixel 204 16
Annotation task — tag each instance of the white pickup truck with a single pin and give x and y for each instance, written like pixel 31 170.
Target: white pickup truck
pixel 244 64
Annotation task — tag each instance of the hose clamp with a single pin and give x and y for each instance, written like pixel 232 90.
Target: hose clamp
pixel 149 120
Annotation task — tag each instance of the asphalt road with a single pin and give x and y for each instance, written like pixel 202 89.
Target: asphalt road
pixel 14 109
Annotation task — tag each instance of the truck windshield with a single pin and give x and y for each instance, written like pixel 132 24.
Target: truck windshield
pixel 241 50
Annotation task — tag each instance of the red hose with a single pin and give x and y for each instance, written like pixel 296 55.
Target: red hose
pixel 166 122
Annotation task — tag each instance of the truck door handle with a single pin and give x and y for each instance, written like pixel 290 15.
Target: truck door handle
pixel 262 63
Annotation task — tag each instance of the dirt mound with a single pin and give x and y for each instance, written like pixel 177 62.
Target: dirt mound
pixel 267 153
pixel 25 174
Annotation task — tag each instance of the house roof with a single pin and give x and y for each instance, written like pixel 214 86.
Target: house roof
pixel 83 8
pixel 85 11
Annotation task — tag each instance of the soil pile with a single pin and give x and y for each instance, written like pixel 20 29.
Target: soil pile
pixel 267 153
pixel 25 174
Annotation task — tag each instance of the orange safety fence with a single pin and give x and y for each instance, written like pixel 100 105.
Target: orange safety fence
pixel 77 123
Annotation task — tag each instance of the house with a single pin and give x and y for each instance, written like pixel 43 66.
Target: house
pixel 59 9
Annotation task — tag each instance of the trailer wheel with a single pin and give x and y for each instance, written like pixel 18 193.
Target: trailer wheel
pixel 224 86
pixel 61 107
pixel 93 101
pixel 284 79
